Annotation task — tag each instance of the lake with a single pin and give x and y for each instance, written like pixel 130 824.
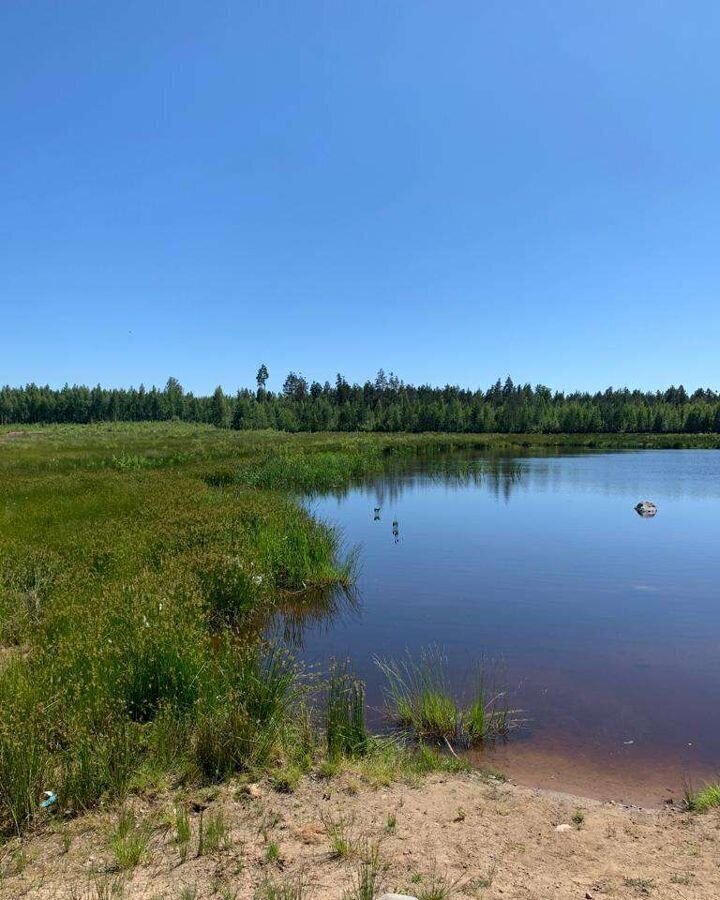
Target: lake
pixel 604 626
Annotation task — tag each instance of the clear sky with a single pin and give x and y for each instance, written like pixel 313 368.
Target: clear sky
pixel 453 190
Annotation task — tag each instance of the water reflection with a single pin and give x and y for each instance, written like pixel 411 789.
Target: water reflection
pixel 318 611
pixel 498 474
pixel 666 473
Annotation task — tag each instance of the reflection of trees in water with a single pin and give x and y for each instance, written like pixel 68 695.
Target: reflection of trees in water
pixel 318 610
pixel 499 475
pixel 627 472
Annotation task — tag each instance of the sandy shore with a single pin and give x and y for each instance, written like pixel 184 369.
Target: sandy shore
pixel 466 834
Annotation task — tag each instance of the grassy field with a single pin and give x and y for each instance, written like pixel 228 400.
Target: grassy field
pixel 135 563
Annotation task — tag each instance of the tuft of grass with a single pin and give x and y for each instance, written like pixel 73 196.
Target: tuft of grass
pixel 578 818
pixel 368 874
pixel 188 892
pixel 418 696
pixel 129 841
pixel 272 852
pixel 642 885
pixel 281 890
pixel 487 716
pixel 391 824
pixel 435 889
pixel 339 832
pixel 107 887
pixel 345 728
pixel 246 711
pixel 66 839
pixel 419 699
pixel 183 831
pixel 214 835
pixel 704 799
pixel 483 883
pixel 286 779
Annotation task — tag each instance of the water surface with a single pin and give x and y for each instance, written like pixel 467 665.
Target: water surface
pixel 604 625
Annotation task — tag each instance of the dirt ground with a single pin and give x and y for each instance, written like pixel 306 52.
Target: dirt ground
pixel 447 836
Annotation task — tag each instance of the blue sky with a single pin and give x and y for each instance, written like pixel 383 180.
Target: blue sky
pixel 452 190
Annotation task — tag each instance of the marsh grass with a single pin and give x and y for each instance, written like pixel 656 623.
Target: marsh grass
pixel 487 716
pixel 419 699
pixel 418 696
pixel 345 728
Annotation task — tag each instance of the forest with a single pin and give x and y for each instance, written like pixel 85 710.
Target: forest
pixel 385 404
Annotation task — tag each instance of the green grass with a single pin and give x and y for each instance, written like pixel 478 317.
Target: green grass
pixel 169 576
pixel 272 852
pixel 272 889
pixel 419 699
pixel 345 728
pixel 418 695
pixel 390 759
pixel 214 835
pixel 704 799
pixel 183 831
pixel 340 836
pixel 129 840
pixel 368 874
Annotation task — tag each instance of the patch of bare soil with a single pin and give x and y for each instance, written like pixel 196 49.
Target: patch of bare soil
pixel 464 834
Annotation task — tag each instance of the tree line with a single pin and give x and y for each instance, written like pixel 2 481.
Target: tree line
pixel 385 404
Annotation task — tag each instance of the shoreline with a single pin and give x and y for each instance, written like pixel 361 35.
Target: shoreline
pixel 631 775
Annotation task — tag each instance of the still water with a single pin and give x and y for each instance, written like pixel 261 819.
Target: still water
pixel 604 626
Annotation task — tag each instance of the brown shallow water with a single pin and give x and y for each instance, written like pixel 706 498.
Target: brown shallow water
pixel 641 779
pixel 603 626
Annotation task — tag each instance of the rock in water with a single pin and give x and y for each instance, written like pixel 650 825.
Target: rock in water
pixel 646 508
